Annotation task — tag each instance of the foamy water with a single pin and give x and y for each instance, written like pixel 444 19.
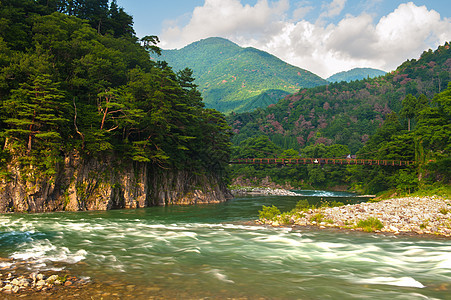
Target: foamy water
pixel 184 248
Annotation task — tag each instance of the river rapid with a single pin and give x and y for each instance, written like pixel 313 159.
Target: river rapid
pixel 192 252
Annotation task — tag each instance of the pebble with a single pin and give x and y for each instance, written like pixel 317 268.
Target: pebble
pixel 34 282
pixel 399 215
pixel 40 283
pixel 67 283
pixel 263 191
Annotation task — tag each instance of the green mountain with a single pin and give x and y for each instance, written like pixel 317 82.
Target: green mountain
pixel 232 78
pixel 356 74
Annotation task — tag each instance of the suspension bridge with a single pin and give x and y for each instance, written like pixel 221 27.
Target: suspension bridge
pixel 320 161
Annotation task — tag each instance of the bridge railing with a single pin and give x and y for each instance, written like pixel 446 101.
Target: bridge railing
pixel 320 161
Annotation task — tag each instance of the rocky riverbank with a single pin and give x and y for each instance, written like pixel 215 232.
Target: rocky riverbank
pixel 262 191
pixel 421 215
pixel 17 281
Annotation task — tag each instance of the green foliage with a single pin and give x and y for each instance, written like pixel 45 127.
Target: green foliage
pixel 370 118
pixel 405 181
pixel 346 118
pixel 238 79
pixel 435 189
pixel 257 147
pixel 268 213
pixel 295 175
pixel 412 107
pixel 81 81
pixel 302 205
pixel 434 136
pixel 318 218
pixel 428 143
pixel 444 210
pixel 369 225
pixel 424 225
pixel 285 218
pixel 62 279
pixel 331 204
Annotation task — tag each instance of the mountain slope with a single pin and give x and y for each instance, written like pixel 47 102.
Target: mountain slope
pixel 232 78
pixel 345 113
pixel 356 74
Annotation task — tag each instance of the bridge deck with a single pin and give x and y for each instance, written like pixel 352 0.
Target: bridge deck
pixel 320 161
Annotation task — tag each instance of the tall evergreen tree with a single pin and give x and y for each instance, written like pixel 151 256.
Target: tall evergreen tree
pixel 408 108
pixel 37 113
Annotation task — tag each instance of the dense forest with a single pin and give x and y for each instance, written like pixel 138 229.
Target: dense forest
pixel 403 115
pixel 74 78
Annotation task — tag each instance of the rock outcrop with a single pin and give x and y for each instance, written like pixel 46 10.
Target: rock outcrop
pixel 103 184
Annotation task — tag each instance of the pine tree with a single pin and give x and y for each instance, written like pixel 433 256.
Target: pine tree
pixel 36 114
pixel 408 108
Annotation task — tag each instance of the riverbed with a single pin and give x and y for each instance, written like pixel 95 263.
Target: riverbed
pixel 192 252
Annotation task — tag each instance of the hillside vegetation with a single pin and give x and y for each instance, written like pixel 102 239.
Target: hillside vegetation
pixel 403 115
pixel 232 78
pixel 75 79
pixel 356 74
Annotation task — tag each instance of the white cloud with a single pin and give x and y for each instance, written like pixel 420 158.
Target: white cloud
pixel 226 18
pixel 355 41
pixel 301 10
pixel 410 29
pixel 353 37
pixel 333 9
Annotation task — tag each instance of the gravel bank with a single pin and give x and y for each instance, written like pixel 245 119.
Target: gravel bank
pixel 262 191
pixel 422 215
pixel 17 281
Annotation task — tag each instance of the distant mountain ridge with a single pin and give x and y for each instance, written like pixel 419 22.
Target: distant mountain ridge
pixel 356 74
pixel 232 78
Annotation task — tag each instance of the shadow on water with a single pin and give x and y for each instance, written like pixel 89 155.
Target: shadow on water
pixel 242 208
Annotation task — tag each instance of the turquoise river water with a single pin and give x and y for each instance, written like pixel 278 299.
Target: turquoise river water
pixel 213 251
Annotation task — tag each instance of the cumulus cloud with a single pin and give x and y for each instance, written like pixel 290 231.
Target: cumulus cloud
pixel 301 11
pixel 411 28
pixel 321 47
pixel 333 9
pixel 226 18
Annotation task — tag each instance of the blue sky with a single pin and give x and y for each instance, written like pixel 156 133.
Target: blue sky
pixel 325 36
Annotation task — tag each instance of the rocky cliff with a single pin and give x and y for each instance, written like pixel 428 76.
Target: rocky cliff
pixel 103 184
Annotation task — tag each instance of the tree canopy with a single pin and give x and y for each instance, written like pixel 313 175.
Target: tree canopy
pixel 73 77
pixel 403 115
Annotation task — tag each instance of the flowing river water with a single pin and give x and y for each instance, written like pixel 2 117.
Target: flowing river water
pixel 192 252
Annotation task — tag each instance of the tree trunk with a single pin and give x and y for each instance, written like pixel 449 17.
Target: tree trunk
pixel 30 134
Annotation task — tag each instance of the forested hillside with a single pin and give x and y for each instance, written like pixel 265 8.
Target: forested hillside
pixel 402 115
pixel 345 113
pixel 232 78
pixel 356 74
pixel 75 79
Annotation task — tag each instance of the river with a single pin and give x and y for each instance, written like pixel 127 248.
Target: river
pixel 211 251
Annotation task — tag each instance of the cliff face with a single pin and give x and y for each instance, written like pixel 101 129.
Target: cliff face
pixel 89 184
